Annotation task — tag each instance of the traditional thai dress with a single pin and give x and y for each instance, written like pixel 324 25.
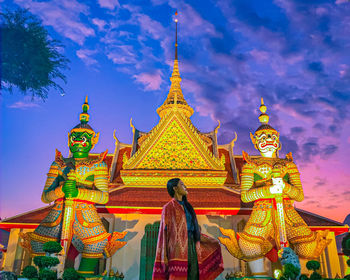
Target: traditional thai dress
pixel 174 249
pixel 88 234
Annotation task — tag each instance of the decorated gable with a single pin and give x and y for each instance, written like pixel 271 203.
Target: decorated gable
pixel 174 150
pixel 176 146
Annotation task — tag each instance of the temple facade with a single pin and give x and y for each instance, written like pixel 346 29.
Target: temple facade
pixel 137 191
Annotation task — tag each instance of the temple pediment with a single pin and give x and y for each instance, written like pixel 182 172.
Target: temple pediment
pixel 174 144
pixel 174 149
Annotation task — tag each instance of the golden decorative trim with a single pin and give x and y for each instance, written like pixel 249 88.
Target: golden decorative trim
pixel 40 238
pixel 91 256
pixel 96 238
pixel 160 177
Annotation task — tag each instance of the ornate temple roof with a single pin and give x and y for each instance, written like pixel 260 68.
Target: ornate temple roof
pixel 174 148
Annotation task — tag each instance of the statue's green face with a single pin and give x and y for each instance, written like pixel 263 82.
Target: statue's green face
pixel 80 143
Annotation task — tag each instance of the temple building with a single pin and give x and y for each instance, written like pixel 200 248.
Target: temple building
pixel 139 172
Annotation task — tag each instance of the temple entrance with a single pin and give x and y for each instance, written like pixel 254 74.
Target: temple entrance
pixel 148 250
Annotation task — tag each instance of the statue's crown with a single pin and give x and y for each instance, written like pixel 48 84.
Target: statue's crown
pixel 84 119
pixel 264 120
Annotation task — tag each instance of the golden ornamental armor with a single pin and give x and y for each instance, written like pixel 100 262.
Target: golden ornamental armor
pixel 273 184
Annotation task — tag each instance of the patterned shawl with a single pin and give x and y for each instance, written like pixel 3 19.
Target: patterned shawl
pixel 172 248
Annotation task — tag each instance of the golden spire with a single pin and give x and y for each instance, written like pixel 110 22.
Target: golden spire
pixel 263 118
pixel 175 99
pixel 176 20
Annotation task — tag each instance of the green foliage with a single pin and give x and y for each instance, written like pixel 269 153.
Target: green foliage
pixel 315 276
pixel 49 261
pixel 290 271
pixel 30 60
pixel 43 261
pixel 70 274
pixel 347 277
pixel 47 274
pixel 52 247
pixel 348 262
pixel 313 265
pixel 7 275
pixel 30 272
pixel 345 245
pixel 303 277
pixel 38 261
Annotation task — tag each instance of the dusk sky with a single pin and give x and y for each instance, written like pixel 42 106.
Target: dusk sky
pixel 294 54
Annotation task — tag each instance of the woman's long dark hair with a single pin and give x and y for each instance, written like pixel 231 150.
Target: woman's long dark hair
pixel 170 187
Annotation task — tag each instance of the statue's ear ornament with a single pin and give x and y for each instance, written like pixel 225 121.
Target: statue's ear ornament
pixel 252 137
pixel 95 138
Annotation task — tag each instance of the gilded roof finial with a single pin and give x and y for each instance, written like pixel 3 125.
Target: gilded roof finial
pixel 175 99
pixel 263 118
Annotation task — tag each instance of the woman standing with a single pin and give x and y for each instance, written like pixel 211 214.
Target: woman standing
pixel 182 251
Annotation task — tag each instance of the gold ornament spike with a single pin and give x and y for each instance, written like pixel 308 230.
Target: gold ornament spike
pixel 263 118
pixel 176 20
pixel 86 105
pixel 175 99
pixel 84 116
pixel 262 106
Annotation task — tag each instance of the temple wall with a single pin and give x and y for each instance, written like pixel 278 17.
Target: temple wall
pixel 11 249
pixel 16 257
pixel 127 259
pixel 331 251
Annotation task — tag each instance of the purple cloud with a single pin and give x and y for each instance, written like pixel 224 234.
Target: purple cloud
pixel 151 81
pixel 86 56
pixel 122 54
pixel 63 16
pixel 100 23
pixel 24 105
pixel 109 4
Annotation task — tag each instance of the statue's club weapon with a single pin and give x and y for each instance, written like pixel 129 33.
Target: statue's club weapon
pixel 281 224
pixel 283 242
pixel 68 215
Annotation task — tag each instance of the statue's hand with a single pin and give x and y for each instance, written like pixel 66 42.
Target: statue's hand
pixel 278 186
pixel 71 175
pixel 70 189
